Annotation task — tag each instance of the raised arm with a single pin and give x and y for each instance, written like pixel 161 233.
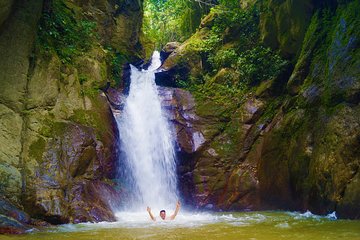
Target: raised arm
pixel 172 217
pixel 151 215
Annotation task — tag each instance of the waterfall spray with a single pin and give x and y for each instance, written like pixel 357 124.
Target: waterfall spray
pixel 146 142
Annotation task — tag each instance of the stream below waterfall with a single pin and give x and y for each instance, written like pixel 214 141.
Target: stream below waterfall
pixel 251 226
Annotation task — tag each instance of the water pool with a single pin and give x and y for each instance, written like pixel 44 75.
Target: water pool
pixel 251 225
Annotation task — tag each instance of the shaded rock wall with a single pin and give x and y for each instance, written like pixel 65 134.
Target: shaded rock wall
pixel 58 137
pixel 284 23
pixel 16 45
pixel 5 10
pixel 314 134
pixel 295 149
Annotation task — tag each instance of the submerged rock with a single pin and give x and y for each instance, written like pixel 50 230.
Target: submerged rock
pixel 11 226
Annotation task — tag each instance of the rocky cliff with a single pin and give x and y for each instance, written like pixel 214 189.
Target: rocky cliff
pixel 290 141
pixel 57 136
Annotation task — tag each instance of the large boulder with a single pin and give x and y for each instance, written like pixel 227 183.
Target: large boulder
pixel 65 173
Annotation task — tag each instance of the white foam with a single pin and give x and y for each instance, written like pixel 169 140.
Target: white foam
pixel 183 220
pixel 309 215
pixel 147 142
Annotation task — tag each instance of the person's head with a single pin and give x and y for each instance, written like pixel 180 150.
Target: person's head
pixel 163 214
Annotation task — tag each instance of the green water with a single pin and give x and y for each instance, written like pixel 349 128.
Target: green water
pixel 254 226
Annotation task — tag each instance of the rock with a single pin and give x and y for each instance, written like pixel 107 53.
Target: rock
pixel 293 150
pixel 180 107
pixel 63 132
pixel 250 112
pixel 43 88
pixel 12 219
pixel 11 226
pixel 16 44
pixel 171 47
pixel 285 24
pixel 10 142
pixel 90 202
pixel 115 98
pixel 168 49
pixel 9 210
pixel 75 154
pixel 186 59
pixel 349 206
pixel 5 10
pixel 126 33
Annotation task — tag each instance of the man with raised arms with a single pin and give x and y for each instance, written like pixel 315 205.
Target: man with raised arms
pixel 163 213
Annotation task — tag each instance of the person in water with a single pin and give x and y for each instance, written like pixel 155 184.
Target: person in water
pixel 163 213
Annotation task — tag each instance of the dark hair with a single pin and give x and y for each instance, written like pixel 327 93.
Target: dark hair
pixel 162 211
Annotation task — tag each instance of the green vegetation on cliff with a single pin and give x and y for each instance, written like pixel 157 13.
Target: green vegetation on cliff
pixel 234 62
pixel 172 20
pixel 276 83
pixel 64 33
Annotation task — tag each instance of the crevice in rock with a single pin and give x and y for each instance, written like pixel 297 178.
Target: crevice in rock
pixel 25 124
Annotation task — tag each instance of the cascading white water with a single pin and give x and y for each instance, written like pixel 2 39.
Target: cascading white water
pixel 147 143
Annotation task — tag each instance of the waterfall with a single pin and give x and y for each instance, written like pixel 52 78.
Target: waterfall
pixel 146 143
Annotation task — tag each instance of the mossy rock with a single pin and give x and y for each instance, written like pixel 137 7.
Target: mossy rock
pixel 284 25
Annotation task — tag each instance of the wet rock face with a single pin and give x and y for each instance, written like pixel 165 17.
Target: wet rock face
pixel 180 108
pixel 64 191
pixel 209 177
pixel 17 36
pixel 9 225
pixel 15 221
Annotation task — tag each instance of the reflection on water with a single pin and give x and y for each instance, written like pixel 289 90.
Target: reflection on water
pixel 252 225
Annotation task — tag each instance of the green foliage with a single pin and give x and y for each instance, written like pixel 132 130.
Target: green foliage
pixel 258 64
pixel 82 78
pixel 224 58
pixel 172 20
pixel 234 61
pixel 59 31
pixel 116 63
pixel 230 4
pixel 236 18
pixel 211 43
pixel 240 27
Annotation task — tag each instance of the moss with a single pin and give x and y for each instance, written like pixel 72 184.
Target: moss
pixel 37 149
pixel 148 45
pixel 225 145
pixel 263 87
pixel 51 128
pixel 83 78
pixel 90 91
pixel 93 119
pixel 271 108
pixel 116 61
pixel 65 31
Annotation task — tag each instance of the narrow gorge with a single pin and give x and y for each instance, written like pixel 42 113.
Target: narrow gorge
pixel 250 106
